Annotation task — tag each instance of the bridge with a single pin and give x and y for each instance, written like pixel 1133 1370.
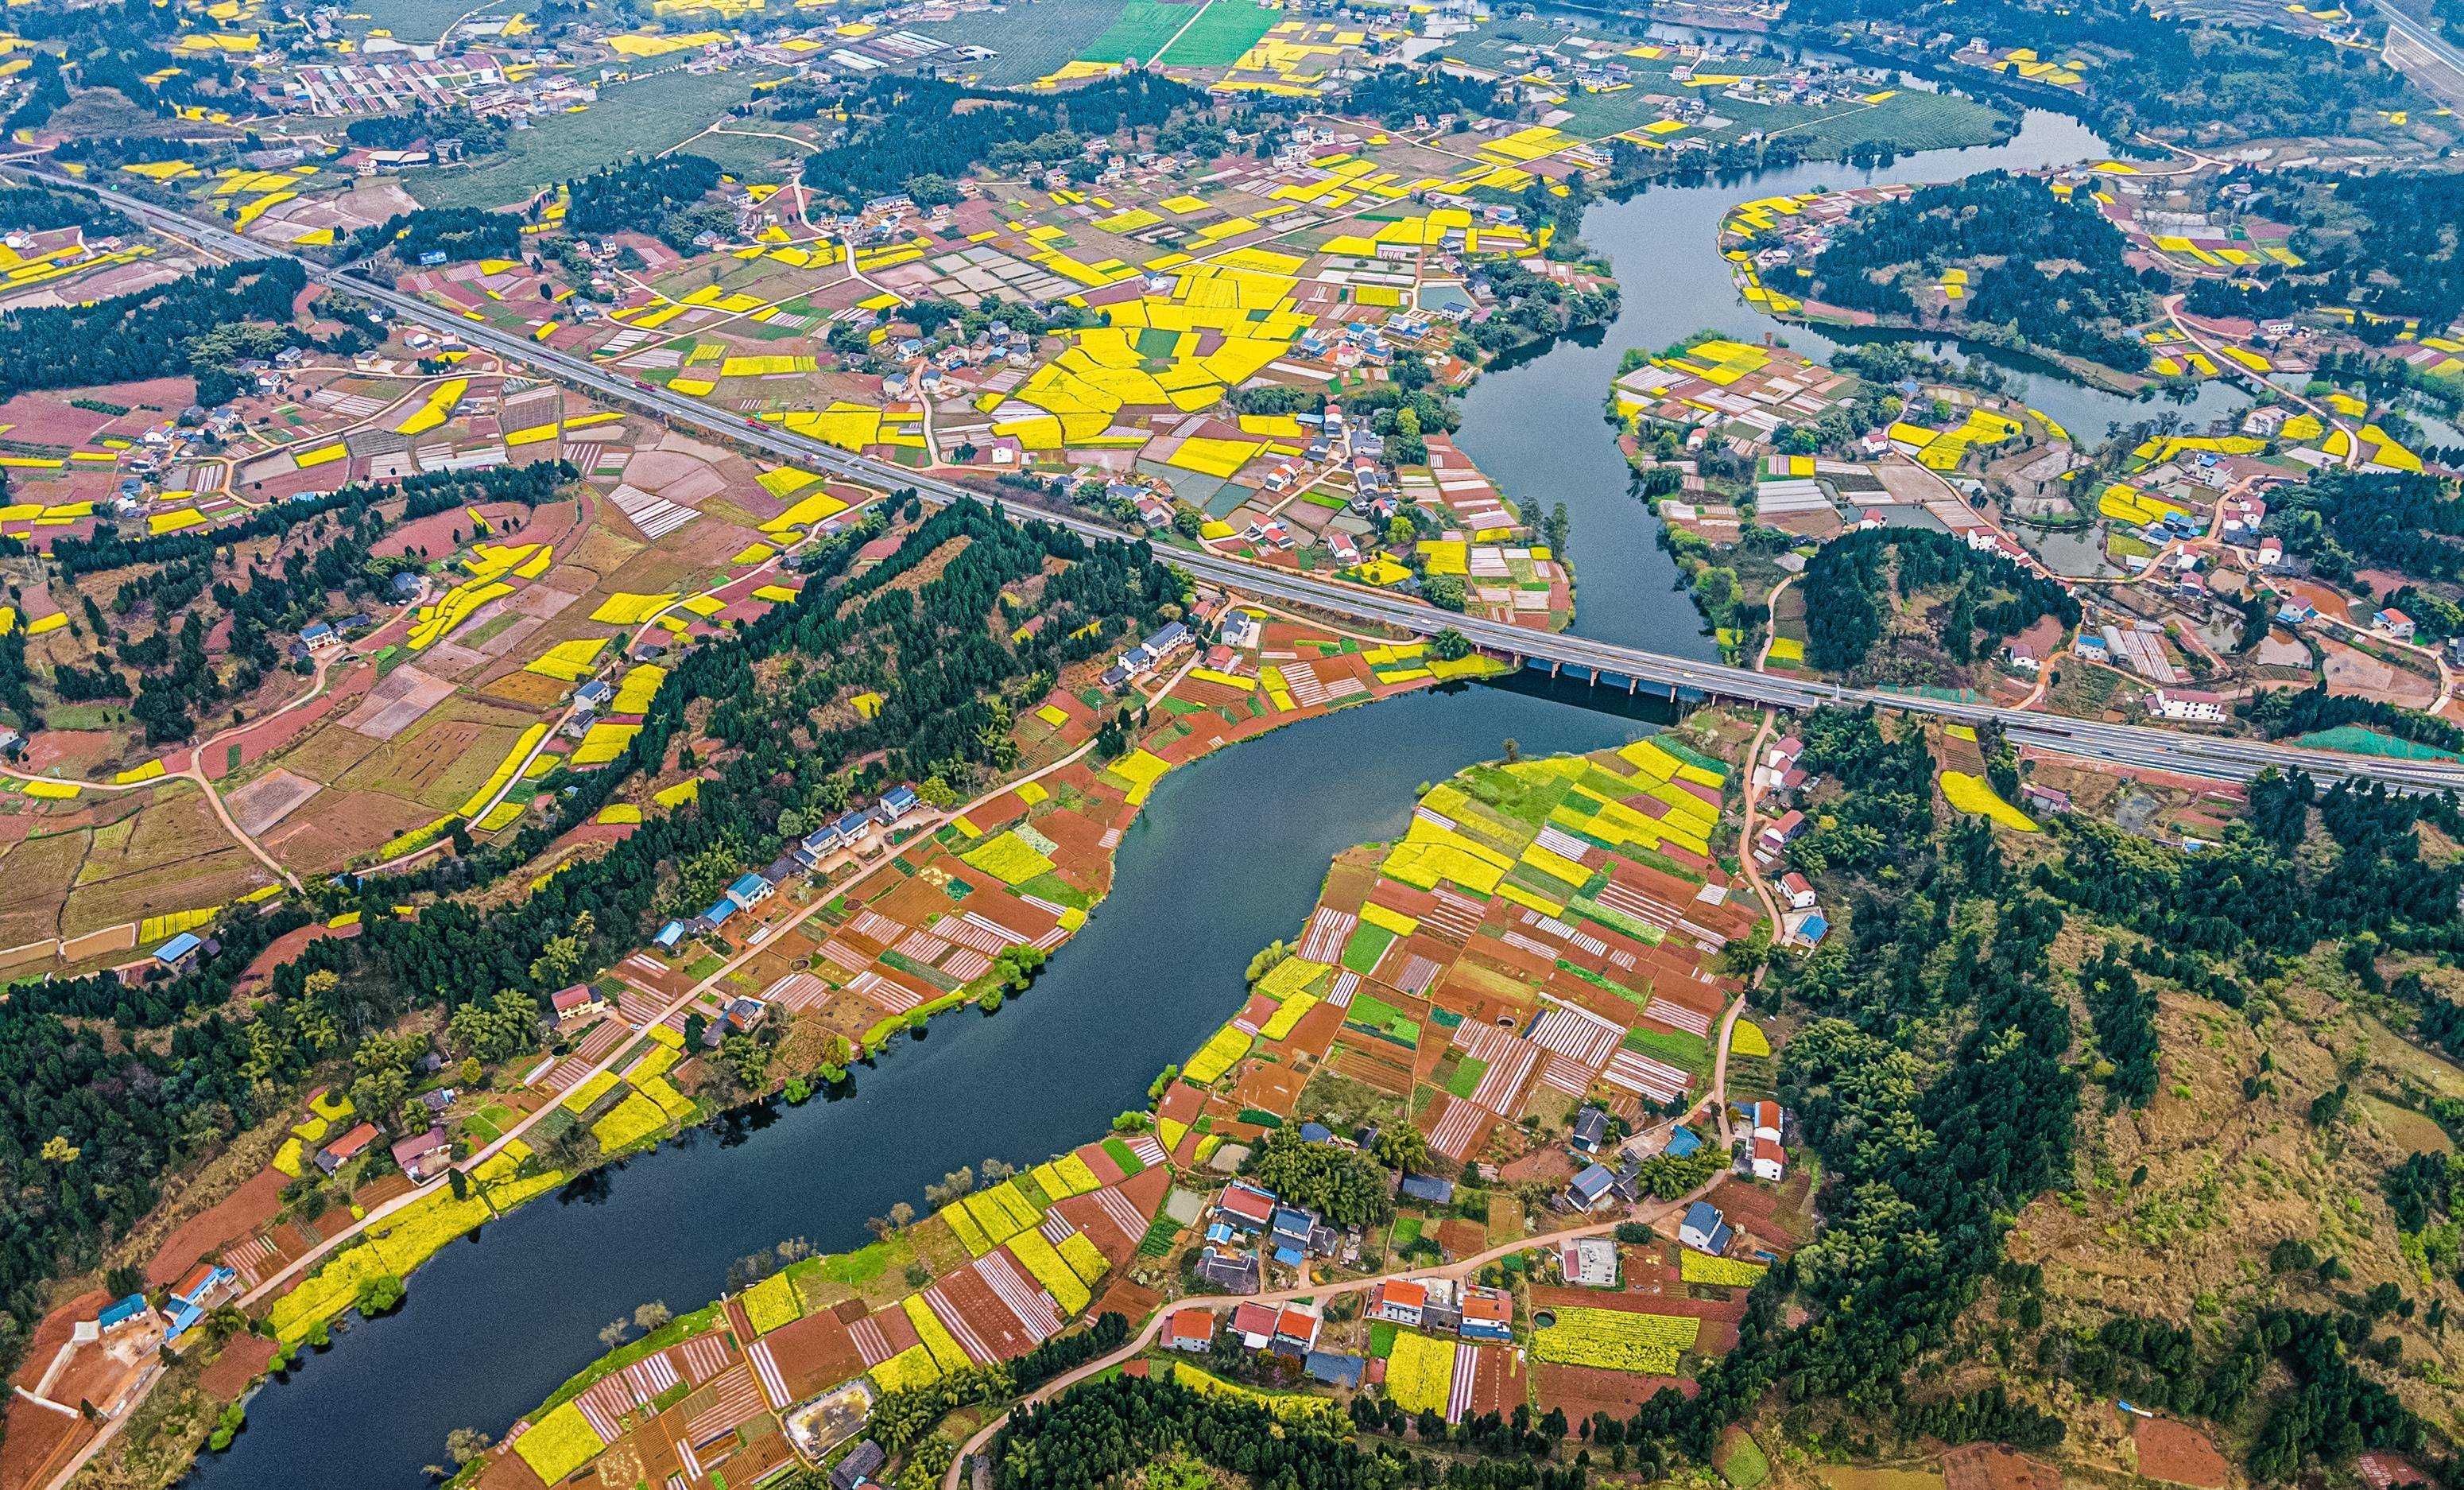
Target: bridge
pixel 1607 664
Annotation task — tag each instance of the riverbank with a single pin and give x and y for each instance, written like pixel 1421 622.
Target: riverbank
pixel 1393 1009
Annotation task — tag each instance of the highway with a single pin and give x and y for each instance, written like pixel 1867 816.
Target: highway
pixel 2437 53
pixel 2127 744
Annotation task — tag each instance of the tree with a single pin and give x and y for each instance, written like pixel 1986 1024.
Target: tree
pixel 613 1333
pixel 381 1294
pixel 464 1444
pixel 1450 645
pixel 649 1317
pixel 1346 1186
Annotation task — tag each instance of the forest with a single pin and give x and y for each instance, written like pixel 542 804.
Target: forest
pixel 1396 96
pixel 2375 243
pixel 423 493
pixel 900 129
pixel 1938 1022
pixel 122 46
pixel 2284 712
pixel 38 208
pixel 1105 1430
pixel 661 195
pixel 461 234
pixel 2085 307
pixel 1847 609
pixel 168 329
pixel 2165 74
pixel 176 678
pixel 477 135
pixel 91 1123
pixel 2344 521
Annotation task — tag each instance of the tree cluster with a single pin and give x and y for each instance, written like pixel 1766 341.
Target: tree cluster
pixel 1846 602
pixel 903 128
pixel 2060 280
pixel 149 333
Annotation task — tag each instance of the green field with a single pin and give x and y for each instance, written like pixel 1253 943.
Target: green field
pixel 410 20
pixel 1034 39
pixel 1223 30
pixel 1143 27
pixel 1691 1051
pixel 639 117
pixel 751 158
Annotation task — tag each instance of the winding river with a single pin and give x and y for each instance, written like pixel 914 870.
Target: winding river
pixel 1226 857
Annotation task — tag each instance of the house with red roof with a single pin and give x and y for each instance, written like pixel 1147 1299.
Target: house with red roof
pixel 1255 1324
pixel 348 1147
pixel 1189 1329
pixel 1399 1301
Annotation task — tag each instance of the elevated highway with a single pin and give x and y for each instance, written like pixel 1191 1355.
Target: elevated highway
pixel 1608 664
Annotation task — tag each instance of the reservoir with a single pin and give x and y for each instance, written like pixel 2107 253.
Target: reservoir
pixel 1227 857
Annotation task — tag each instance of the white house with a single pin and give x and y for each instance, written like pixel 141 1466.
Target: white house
pixel 2188 704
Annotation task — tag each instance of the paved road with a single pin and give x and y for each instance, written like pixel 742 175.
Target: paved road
pixel 2120 744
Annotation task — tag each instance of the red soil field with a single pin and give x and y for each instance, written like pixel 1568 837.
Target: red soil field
pixel 239 1215
pixel 1584 1390
pixel 2178 1454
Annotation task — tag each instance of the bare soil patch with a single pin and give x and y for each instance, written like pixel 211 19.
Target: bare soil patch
pixel 269 800
pixel 2178 1454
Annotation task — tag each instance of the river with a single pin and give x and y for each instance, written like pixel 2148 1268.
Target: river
pixel 1227 857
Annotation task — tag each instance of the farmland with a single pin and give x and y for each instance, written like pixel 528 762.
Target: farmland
pixel 1036 39
pixel 643 115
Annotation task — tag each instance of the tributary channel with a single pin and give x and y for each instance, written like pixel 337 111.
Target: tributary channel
pixel 1227 858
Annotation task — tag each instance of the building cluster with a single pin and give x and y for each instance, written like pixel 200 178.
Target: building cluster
pixel 1148 654
pixel 845 832
pixel 1781 780
pixel 1248 1225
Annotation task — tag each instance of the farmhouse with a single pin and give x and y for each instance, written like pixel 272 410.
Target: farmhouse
pixel 1189 1329
pixel 1704 1229
pixel 580 1001
pixel 2186 703
pixel 348 1147
pixel 424 1156
pixel 750 890
pixel 1397 1301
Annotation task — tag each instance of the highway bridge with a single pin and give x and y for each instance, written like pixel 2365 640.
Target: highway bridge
pixel 1608 664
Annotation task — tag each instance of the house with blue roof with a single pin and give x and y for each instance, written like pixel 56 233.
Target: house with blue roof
pixel 1429 1190
pixel 719 910
pixel 180 953
pixel 817 845
pixel 1681 1141
pixel 126 1312
pixel 1704 1230
pixel 897 802
pixel 1590 1187
pixel 750 890
pixel 669 936
pixel 1289 1232
pixel 853 828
